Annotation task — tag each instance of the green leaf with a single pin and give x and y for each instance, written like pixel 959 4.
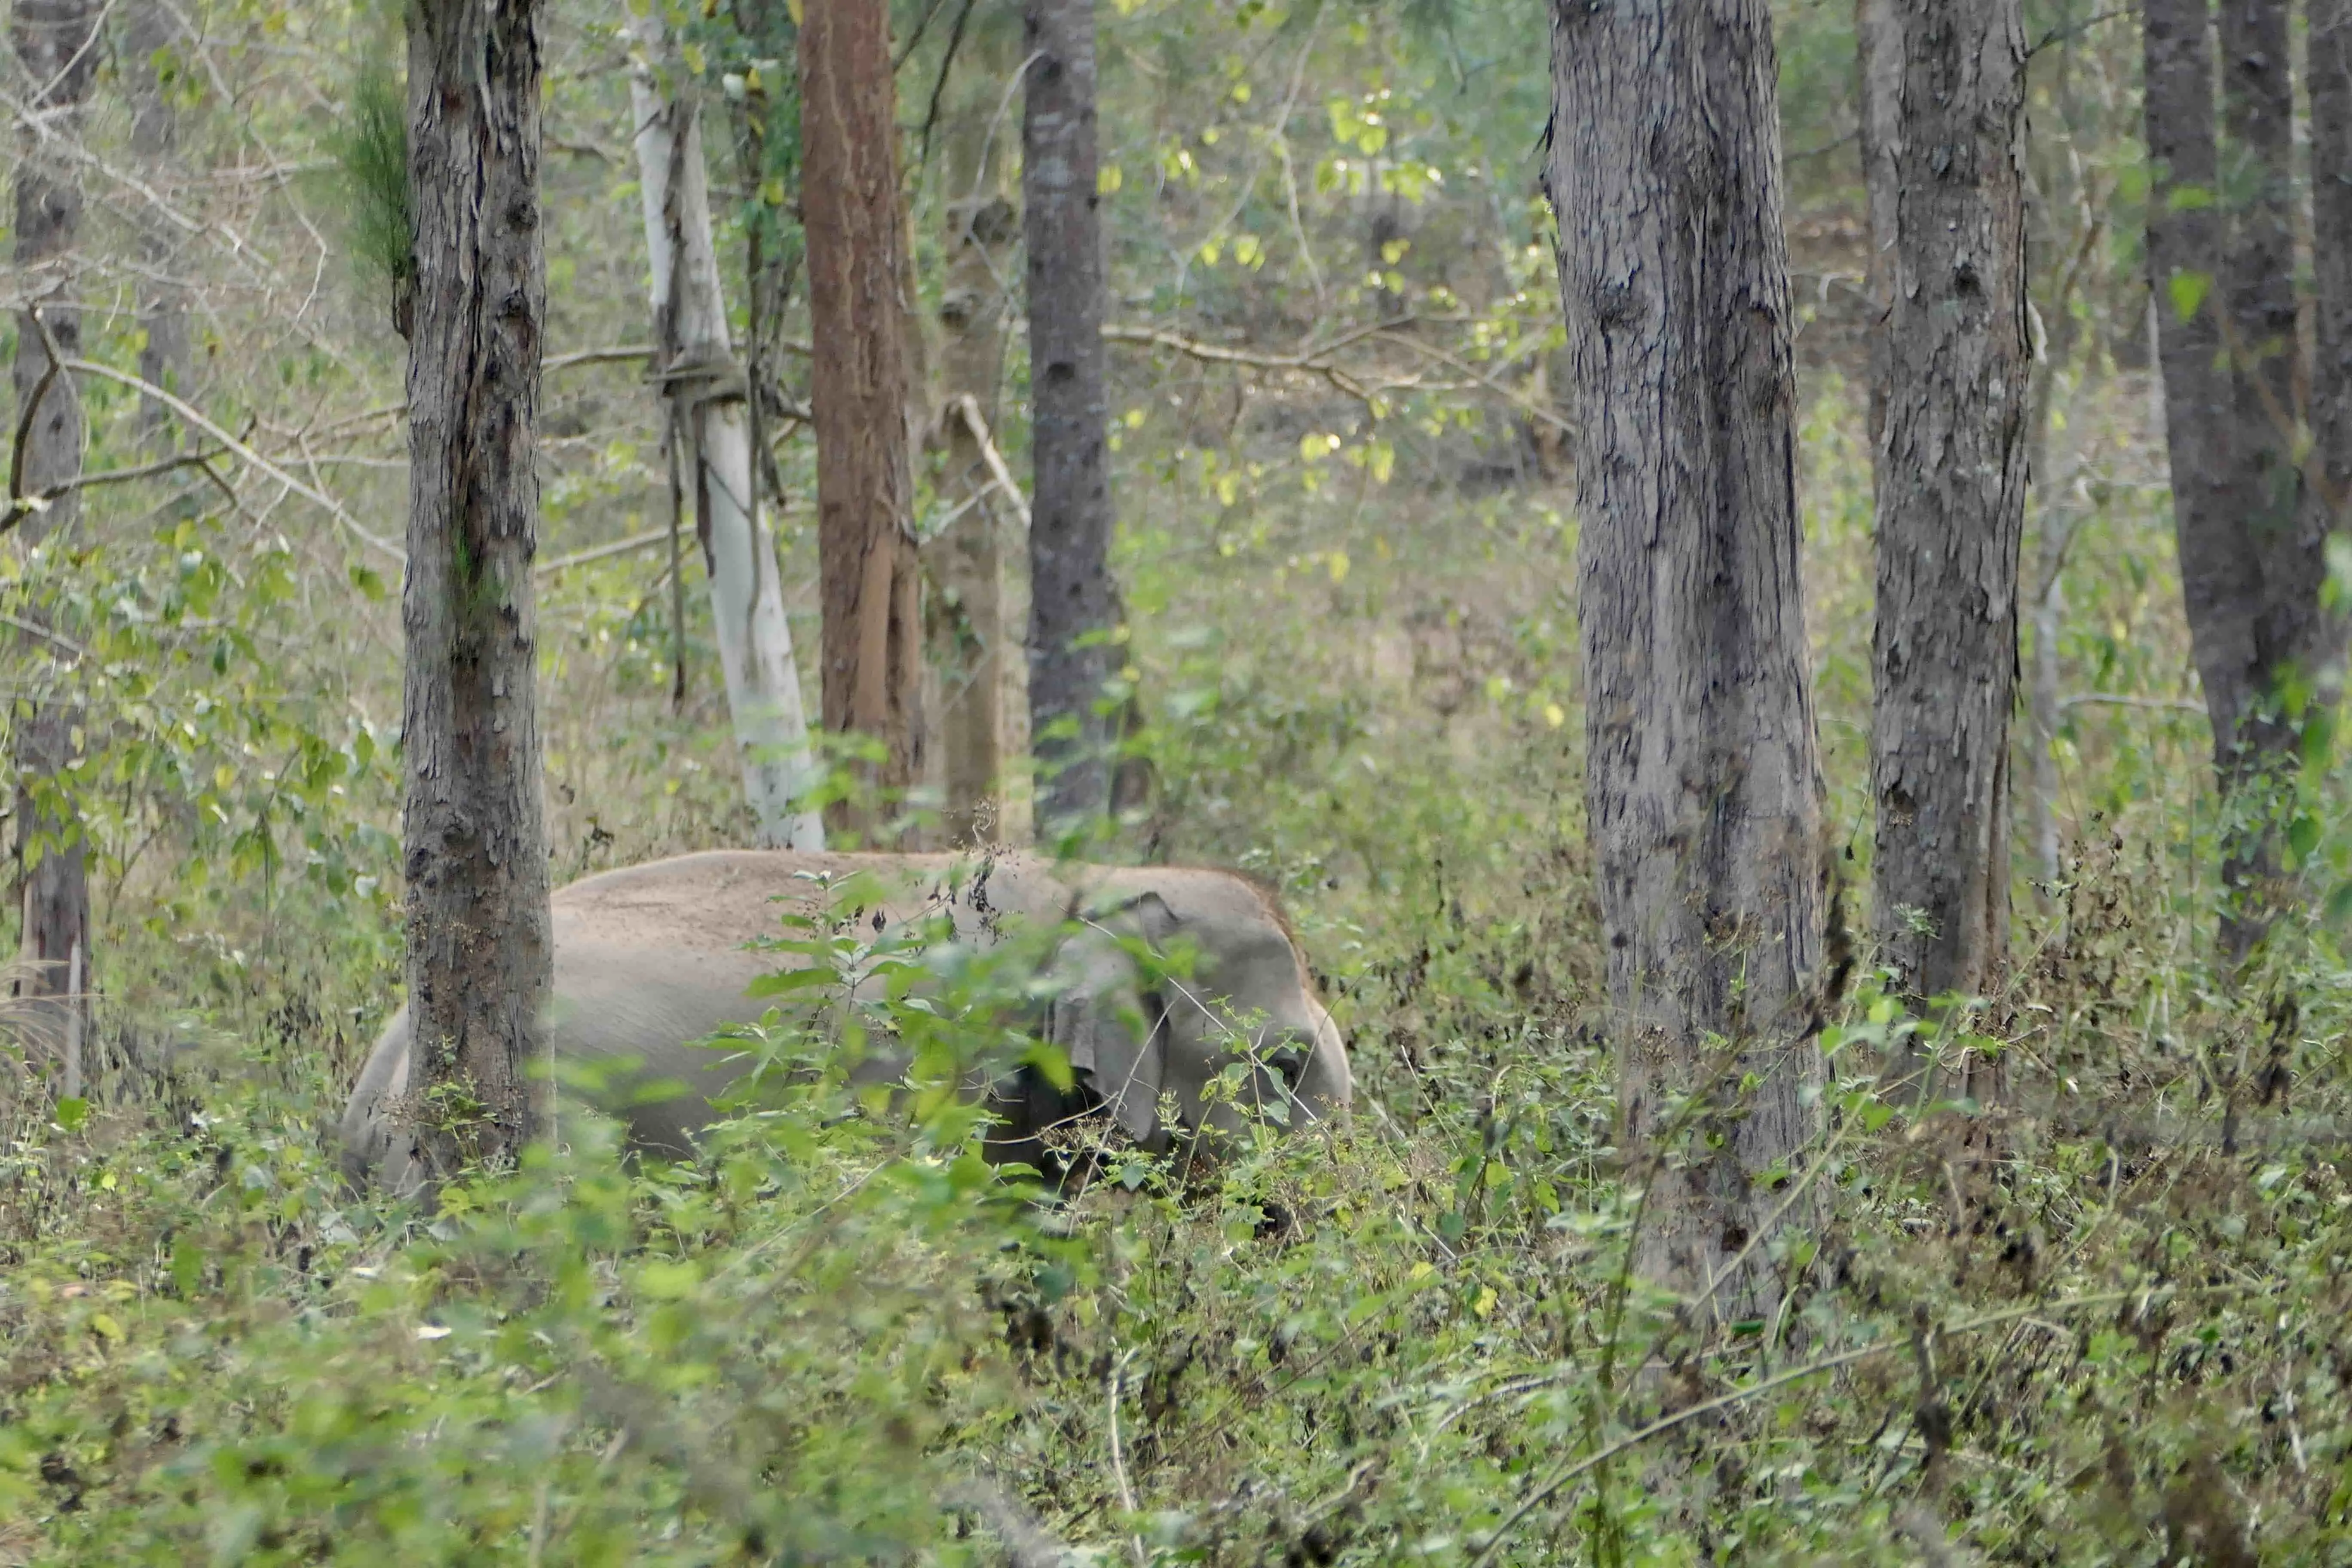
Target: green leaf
pixel 72 1113
pixel 2188 290
pixel 1051 1062
pixel 790 980
pixel 815 947
pixel 2303 836
pixel 667 1282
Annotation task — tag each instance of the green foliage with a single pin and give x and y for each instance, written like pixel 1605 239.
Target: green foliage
pixel 745 61
pixel 370 153
pixel 1382 1343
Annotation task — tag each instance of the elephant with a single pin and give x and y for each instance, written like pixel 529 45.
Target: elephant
pixel 653 957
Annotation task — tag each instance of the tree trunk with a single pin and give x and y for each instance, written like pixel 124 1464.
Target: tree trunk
pixel 709 406
pixel 2259 297
pixel 2251 557
pixel 1703 783
pixel 1072 602
pixel 966 610
pixel 2330 490
pixel 871 581
pixel 1943 151
pixel 2056 520
pixel 164 359
pixel 474 838
pixel 56 44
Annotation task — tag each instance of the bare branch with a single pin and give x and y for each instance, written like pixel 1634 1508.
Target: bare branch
pixel 1526 404
pixel 602 552
pixel 1307 361
pixel 967 408
pixel 34 629
pixel 17 505
pixel 2117 699
pixel 621 353
pixel 190 412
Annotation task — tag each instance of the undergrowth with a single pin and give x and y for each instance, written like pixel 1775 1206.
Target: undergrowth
pixel 2102 1324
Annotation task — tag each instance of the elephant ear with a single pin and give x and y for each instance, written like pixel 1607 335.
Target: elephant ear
pixel 1107 1021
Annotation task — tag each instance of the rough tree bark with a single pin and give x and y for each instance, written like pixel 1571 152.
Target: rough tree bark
pixel 56 44
pixel 1072 602
pixel 2330 489
pixel 1703 783
pixel 710 406
pixel 1943 89
pixel 474 838
pixel 2252 553
pixel 871 587
pixel 966 610
pixel 150 32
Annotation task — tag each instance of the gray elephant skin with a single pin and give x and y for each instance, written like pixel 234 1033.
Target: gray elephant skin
pixel 653 957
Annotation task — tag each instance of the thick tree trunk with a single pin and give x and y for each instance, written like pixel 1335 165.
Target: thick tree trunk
pixel 56 44
pixel 1072 602
pixel 871 584
pixel 1703 783
pixel 2330 490
pixel 2258 297
pixel 149 33
pixel 710 406
pixel 2251 557
pixel 474 838
pixel 2185 231
pixel 966 610
pixel 967 605
pixel 1943 151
